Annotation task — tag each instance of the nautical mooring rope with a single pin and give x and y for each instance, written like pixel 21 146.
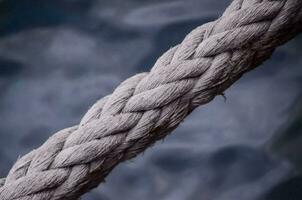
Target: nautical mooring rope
pixel 148 106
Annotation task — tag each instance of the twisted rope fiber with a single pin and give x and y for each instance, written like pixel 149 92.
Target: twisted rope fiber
pixel 148 106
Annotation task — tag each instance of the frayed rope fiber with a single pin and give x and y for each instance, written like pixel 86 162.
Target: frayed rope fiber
pixel 148 106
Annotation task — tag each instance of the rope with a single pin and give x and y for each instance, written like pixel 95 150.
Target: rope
pixel 148 106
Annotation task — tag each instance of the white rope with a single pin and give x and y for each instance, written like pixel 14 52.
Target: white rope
pixel 148 106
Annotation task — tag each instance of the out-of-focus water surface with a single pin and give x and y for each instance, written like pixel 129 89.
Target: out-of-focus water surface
pixel 58 57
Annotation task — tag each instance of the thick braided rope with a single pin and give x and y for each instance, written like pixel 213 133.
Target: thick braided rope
pixel 148 106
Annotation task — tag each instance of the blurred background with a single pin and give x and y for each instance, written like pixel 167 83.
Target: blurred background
pixel 57 57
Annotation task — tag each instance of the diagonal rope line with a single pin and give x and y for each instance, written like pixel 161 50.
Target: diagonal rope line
pixel 148 106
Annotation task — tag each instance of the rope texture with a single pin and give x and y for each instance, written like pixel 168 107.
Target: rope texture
pixel 148 106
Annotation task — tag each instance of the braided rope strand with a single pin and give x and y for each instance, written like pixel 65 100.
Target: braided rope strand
pixel 148 106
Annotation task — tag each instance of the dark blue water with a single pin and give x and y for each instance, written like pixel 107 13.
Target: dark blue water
pixel 58 57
